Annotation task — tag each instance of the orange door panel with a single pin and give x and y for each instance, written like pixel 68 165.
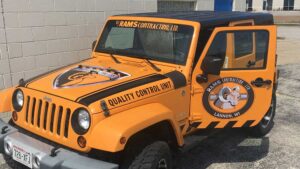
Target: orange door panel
pixel 238 96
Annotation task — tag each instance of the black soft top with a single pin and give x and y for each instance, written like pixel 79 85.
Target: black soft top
pixel 211 18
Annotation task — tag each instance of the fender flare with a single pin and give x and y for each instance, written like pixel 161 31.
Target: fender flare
pixel 106 134
pixel 5 100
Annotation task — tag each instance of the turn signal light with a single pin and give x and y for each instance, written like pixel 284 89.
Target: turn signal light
pixel 123 140
pixel 81 141
pixel 14 115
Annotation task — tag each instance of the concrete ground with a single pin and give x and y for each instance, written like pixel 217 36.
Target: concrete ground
pixel 286 17
pixel 288 45
pixel 281 148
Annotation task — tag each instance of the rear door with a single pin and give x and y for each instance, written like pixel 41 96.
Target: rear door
pixel 241 94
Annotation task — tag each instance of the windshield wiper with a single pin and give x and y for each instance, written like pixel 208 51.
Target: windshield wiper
pixel 111 52
pixel 114 58
pixel 152 64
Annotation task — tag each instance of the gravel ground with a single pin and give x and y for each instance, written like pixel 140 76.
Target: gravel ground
pixel 280 148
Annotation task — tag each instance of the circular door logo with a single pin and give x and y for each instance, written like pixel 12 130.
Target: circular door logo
pixel 228 97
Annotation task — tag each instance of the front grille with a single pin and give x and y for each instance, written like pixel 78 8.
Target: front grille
pixel 50 117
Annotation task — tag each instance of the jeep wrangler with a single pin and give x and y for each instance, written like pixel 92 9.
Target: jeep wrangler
pixel 151 81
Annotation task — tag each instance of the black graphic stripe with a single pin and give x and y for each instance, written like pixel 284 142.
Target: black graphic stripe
pixel 31 80
pixel 248 123
pixel 117 89
pixel 212 125
pixel 177 78
pixel 230 124
pixel 107 88
pixel 193 125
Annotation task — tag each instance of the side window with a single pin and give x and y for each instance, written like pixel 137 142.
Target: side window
pixel 262 43
pixel 219 46
pixel 243 44
pixel 250 49
pixel 241 49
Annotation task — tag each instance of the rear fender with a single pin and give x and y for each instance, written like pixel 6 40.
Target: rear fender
pixel 106 134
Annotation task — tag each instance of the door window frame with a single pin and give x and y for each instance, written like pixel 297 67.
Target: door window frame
pixel 254 51
pixel 269 28
pixel 232 48
pixel 231 39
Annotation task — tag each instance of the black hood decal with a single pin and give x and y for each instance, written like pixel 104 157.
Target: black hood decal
pixel 25 83
pixel 87 75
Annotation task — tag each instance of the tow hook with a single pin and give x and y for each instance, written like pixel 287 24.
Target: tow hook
pixel 53 151
pixel 4 130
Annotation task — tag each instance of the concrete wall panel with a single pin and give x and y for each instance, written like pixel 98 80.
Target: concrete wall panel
pixel 40 35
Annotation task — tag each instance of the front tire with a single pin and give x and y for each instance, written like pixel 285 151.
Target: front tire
pixel 267 123
pixel 154 156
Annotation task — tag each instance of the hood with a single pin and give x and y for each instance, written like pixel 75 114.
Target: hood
pixel 81 79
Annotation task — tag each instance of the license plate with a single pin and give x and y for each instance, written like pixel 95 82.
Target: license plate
pixel 22 156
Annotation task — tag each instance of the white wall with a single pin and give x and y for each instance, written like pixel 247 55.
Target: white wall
pixel 297 4
pixel 39 35
pixel 278 4
pixel 239 5
pixel 257 5
pixel 205 5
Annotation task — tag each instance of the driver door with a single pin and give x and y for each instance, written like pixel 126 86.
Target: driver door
pixel 241 94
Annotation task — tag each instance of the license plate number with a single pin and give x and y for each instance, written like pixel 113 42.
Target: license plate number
pixel 22 156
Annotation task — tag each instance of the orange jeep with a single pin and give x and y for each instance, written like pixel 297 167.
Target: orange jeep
pixel 152 79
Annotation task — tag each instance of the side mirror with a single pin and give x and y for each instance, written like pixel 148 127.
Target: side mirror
pixel 94 44
pixel 212 65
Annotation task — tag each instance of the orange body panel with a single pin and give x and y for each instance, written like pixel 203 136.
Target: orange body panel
pixel 50 102
pixel 5 99
pixel 28 118
pixel 107 134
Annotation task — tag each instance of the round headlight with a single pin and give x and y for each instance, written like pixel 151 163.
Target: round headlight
pixel 84 119
pixel 81 121
pixel 18 100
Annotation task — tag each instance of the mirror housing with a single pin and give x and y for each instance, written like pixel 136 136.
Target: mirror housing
pixel 212 65
pixel 202 78
pixel 94 44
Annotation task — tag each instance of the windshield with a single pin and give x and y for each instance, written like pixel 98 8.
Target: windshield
pixel 148 40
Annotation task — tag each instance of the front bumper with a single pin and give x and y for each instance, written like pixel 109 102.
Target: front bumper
pixel 63 158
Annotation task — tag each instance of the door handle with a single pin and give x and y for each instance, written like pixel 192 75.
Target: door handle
pixel 251 63
pixel 259 82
